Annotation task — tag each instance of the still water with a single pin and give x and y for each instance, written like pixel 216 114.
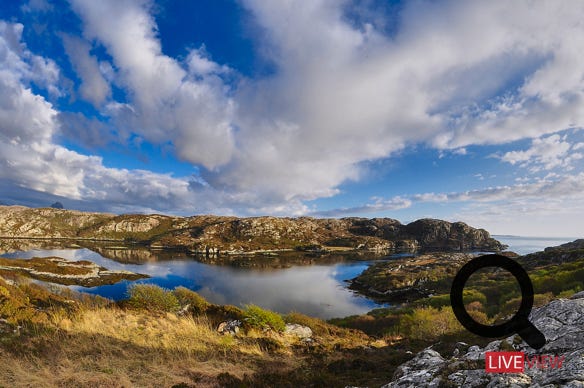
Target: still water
pixel 312 286
pixel 315 289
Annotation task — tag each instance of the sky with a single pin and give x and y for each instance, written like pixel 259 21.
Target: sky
pixel 464 111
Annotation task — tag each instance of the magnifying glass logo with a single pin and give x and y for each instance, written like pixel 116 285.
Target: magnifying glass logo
pixel 519 324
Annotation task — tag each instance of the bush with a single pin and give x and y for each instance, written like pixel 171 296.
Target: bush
pixel 152 298
pixel 429 323
pixel 188 297
pixel 257 317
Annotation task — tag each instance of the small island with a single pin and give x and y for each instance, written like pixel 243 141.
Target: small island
pixel 62 271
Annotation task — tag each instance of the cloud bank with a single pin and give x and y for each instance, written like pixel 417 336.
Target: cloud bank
pixel 343 92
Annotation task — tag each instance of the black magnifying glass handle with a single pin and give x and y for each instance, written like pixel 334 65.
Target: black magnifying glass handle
pixel 531 334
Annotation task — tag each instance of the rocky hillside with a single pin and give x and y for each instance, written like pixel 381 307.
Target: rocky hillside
pixel 564 253
pixel 561 321
pixel 213 234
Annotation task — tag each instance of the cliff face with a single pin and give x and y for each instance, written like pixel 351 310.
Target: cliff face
pixel 213 234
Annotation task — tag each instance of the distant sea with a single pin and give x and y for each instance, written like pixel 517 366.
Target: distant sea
pixel 525 245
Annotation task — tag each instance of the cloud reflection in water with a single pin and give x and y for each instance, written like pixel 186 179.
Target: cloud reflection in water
pixel 315 290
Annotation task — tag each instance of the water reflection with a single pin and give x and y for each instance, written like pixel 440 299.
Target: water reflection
pixel 311 285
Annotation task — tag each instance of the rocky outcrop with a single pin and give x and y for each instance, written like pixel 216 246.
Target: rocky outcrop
pixel 213 235
pixel 408 278
pixel 564 253
pixel 438 235
pixel 561 321
pixel 19 222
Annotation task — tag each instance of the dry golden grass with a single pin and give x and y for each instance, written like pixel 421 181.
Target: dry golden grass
pixel 125 348
pixel 78 341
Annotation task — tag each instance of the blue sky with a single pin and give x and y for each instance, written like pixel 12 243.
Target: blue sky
pixel 462 111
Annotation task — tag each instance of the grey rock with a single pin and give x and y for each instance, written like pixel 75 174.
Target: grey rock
pixel 230 327
pixel 421 370
pixel 561 321
pixel 298 330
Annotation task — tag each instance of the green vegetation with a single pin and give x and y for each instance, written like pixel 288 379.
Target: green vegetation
pixel 429 323
pixel 64 338
pixel 259 318
pixel 194 301
pixel 152 298
pixel 490 298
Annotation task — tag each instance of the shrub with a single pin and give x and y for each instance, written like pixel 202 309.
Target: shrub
pixel 188 297
pixel 429 323
pixel 472 295
pixel 259 318
pixel 152 298
pixel 16 306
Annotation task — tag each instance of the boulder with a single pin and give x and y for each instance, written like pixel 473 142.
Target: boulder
pixel 230 327
pixel 298 330
pixel 422 370
pixel 561 321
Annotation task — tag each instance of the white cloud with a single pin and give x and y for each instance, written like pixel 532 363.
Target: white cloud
pixel 554 188
pixel 32 164
pixel 94 88
pixel 378 205
pixel 546 207
pixel 454 74
pixel 344 94
pixel 188 107
pixel 37 5
pixel 546 153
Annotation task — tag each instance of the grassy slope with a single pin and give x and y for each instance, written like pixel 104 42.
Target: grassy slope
pixel 65 339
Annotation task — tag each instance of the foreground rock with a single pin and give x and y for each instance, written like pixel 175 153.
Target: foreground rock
pixel 62 271
pixel 296 330
pixel 230 327
pixel 213 235
pixel 561 321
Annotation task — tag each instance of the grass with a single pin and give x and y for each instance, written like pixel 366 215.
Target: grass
pixel 61 338
pixel 69 339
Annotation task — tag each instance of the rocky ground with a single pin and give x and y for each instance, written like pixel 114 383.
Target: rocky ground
pixel 561 321
pixel 214 235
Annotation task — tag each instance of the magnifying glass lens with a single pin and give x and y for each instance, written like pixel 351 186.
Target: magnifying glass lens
pixel 492 296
